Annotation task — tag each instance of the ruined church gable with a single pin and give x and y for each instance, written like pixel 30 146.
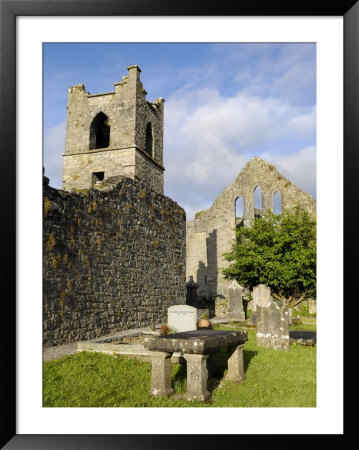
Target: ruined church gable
pixel 211 233
pixel 257 173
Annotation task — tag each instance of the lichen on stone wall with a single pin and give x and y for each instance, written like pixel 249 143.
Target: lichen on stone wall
pixel 125 268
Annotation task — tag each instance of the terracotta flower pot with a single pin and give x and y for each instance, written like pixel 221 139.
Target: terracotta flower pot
pixel 204 323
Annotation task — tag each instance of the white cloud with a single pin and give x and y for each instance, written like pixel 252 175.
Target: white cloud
pixel 299 167
pixel 218 115
pixel 285 71
pixel 209 138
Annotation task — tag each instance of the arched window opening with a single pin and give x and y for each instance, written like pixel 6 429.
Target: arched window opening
pixel 257 202
pixel 99 132
pixel 149 139
pixel 239 208
pixel 277 203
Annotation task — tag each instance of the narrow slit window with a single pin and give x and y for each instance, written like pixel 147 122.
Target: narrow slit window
pixel 149 139
pixel 239 211
pixel 258 202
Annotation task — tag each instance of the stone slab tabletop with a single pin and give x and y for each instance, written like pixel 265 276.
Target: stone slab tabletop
pixel 303 337
pixel 196 342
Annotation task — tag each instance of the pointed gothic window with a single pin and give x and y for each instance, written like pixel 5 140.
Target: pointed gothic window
pixel 239 211
pixel 277 203
pixel 258 202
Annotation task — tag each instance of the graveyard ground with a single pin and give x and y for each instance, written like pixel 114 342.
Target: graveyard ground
pixel 274 378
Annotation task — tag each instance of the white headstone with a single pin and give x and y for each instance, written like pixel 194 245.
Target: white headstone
pixel 182 318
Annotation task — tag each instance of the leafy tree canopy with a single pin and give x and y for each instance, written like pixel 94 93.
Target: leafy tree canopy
pixel 278 251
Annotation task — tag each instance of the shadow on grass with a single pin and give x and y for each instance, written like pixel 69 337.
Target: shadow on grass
pixel 179 378
pixel 217 364
pixel 247 357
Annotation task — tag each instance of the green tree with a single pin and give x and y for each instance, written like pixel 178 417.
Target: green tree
pixel 278 251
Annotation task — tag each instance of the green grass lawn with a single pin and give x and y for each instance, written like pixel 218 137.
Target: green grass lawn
pixel 308 320
pixel 274 378
pixel 303 326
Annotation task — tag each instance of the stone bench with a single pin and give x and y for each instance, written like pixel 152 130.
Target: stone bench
pixel 195 347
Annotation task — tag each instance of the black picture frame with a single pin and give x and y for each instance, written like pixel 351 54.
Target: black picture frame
pixel 9 10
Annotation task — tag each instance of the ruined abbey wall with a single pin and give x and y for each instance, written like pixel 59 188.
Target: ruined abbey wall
pixel 113 258
pixel 212 233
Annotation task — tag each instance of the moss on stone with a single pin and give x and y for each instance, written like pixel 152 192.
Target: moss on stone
pixel 197 214
pixel 47 206
pixel 142 193
pixel 53 262
pixel 50 243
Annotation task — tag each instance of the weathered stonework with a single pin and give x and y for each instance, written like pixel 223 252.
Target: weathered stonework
pixel 273 326
pixel 235 304
pixel 113 258
pixel 113 133
pixel 212 233
pixel 195 347
pixel 261 296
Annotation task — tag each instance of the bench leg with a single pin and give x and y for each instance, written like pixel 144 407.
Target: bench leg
pixel 161 374
pixel 235 365
pixel 196 377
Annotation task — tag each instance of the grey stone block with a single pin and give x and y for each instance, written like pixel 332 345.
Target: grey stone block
pixel 161 375
pixel 196 377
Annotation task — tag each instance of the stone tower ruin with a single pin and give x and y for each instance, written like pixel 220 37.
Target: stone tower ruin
pixel 115 133
pixel 113 256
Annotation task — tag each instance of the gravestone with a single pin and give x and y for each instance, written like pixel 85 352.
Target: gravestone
pixel 261 296
pixel 290 316
pixel 182 318
pixel 312 306
pixel 271 320
pixel 235 304
pixel 191 292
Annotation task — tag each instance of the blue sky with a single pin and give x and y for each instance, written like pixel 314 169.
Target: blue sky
pixel 225 103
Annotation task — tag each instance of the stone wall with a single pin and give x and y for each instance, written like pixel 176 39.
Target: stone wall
pixel 113 258
pixel 212 233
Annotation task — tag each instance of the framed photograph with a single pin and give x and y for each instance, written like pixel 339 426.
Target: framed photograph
pixel 36 38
